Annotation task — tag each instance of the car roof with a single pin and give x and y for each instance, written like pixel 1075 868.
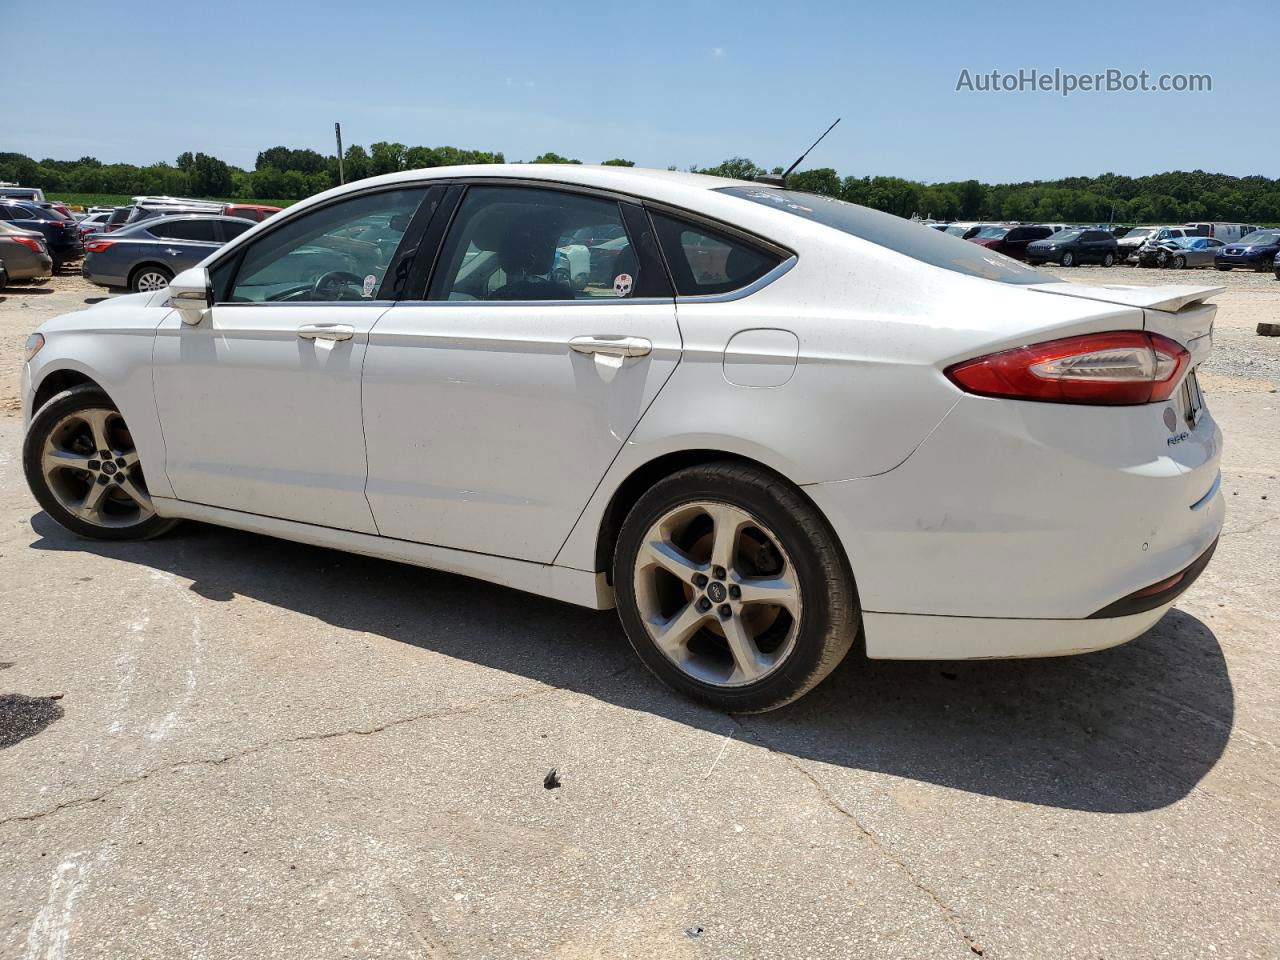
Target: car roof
pixel 178 217
pixel 694 192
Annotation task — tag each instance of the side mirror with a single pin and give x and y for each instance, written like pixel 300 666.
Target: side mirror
pixel 191 294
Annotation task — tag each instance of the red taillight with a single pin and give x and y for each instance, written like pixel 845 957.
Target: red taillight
pixel 31 243
pixel 1125 367
pixel 97 246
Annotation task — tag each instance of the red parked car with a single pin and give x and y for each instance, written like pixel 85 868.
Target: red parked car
pixel 249 211
pixel 1011 241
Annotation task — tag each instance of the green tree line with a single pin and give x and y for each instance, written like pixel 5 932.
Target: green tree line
pixel 288 174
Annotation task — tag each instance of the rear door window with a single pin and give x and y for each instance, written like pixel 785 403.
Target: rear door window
pixel 199 230
pixel 513 243
pixel 704 261
pixel 232 228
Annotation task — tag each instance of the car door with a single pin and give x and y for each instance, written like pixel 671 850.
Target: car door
pixel 260 401
pixel 179 244
pixel 494 405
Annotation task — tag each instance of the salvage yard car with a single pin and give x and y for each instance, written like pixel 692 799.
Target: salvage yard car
pixel 846 424
pixel 1257 251
pixel 25 254
pixel 145 256
pixel 1180 252
pixel 1071 248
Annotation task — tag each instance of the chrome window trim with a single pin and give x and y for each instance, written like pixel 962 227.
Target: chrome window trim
pixel 526 304
pixel 742 292
pixel 304 303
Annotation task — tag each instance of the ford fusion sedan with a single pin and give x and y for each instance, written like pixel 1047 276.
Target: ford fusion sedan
pixel 1257 251
pixel 778 423
pixel 147 255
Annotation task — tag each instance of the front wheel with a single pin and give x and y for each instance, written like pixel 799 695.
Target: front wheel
pixel 1068 259
pixel 83 468
pixel 732 588
pixel 1179 262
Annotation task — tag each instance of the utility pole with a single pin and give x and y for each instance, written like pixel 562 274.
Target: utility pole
pixel 337 133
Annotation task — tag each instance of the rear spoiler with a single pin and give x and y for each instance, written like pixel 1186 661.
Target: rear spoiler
pixel 1169 298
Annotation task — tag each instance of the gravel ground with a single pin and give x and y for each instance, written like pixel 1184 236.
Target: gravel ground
pixel 273 750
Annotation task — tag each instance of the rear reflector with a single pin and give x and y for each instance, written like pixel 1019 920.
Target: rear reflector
pixel 1158 594
pixel 1120 368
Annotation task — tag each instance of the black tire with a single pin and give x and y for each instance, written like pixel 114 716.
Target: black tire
pixel 1224 268
pixel 1109 260
pixel 830 616
pixel 1178 262
pixel 1068 259
pixel 74 400
pixel 148 268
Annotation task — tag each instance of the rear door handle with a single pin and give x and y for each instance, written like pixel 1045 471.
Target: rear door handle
pixel 612 345
pixel 326 331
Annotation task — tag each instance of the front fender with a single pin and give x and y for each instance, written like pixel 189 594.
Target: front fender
pixel 118 358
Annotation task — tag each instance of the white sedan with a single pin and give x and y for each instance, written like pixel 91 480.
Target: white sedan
pixel 774 422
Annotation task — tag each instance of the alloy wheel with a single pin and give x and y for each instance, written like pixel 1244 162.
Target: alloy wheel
pixel 91 467
pixel 717 593
pixel 150 280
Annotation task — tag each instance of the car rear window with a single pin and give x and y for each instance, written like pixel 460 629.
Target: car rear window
pixel 902 236
pixel 706 262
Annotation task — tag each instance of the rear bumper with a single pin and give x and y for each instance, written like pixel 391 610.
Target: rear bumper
pixel 897 636
pixel 35 267
pixel 1040 514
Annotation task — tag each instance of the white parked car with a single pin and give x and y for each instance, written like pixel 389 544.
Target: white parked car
pixel 775 421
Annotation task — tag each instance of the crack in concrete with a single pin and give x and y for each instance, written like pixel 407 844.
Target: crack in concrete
pixel 948 913
pixel 269 744
pixel 1249 529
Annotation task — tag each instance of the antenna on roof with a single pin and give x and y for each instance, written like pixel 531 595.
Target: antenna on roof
pixel 782 180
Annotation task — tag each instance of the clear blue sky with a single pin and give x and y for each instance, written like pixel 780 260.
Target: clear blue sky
pixel 659 82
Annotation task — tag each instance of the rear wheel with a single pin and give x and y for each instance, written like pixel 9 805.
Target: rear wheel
pixel 1109 260
pixel 148 278
pixel 732 588
pixel 83 468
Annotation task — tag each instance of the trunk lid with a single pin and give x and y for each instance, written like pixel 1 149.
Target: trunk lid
pixel 1178 311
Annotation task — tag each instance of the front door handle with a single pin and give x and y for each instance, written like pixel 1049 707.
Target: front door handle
pixel 326 331
pixel 612 345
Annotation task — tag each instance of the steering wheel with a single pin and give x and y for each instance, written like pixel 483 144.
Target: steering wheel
pixel 328 286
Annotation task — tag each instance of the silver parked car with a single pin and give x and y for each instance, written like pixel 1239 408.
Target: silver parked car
pixel 25 255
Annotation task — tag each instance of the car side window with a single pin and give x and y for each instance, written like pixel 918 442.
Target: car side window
pixel 199 230
pixel 232 228
pixel 528 243
pixel 704 261
pixel 339 252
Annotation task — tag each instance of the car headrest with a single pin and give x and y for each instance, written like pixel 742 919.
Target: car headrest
pixel 529 244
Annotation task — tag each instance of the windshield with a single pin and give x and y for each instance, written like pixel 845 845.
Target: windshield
pixel 992 233
pixel 1139 232
pixel 902 236
pixel 1262 236
pixel 1066 236
pixel 1188 243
